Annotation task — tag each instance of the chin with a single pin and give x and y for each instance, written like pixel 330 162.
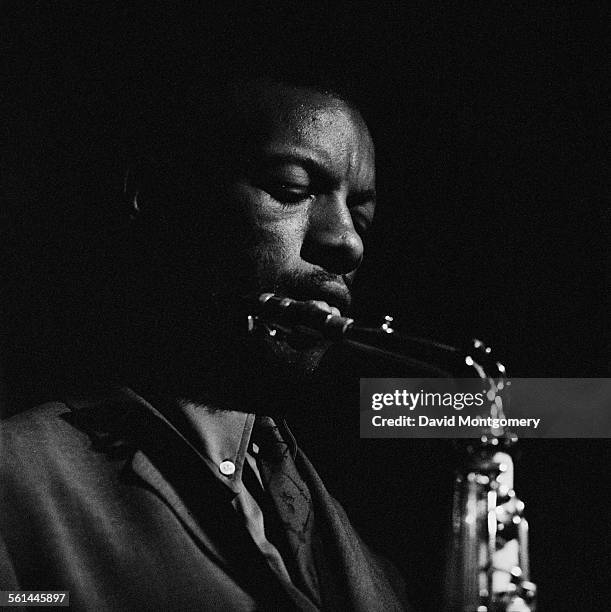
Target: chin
pixel 299 356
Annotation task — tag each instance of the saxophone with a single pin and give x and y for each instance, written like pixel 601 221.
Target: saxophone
pixel 488 566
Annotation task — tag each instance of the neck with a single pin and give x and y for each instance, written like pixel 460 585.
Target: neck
pixel 250 376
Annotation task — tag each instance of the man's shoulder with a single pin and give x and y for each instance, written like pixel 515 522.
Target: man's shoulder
pixel 53 420
pixel 36 431
pixel 38 425
pixel 45 441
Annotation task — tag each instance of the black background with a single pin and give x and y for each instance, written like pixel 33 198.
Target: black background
pixel 492 218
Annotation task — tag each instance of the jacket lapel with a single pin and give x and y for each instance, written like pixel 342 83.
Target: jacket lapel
pixel 144 469
pixel 122 419
pixel 353 577
pixel 164 461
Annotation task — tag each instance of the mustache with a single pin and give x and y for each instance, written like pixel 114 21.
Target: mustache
pixel 317 285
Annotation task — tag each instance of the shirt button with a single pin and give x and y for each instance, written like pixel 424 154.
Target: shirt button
pixel 227 468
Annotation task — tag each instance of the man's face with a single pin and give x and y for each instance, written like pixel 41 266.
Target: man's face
pixel 305 185
pixel 286 213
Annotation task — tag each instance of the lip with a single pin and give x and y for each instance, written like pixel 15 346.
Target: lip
pixel 332 292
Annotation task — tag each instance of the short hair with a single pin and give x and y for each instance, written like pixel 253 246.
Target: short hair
pixel 196 139
pixel 198 108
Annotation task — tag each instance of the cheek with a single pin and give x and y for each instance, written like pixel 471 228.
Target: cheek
pixel 276 232
pixel 275 249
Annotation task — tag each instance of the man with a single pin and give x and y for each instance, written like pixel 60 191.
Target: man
pixel 187 490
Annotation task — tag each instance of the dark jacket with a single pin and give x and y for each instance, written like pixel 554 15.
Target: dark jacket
pixel 105 499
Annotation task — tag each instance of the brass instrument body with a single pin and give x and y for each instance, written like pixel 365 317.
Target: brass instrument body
pixel 488 569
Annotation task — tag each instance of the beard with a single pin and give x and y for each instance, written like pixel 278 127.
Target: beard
pixel 194 336
pixel 204 351
pixel 319 285
pixel 301 354
pixel 265 275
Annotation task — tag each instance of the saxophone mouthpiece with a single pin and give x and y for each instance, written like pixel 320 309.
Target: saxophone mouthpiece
pixel 313 317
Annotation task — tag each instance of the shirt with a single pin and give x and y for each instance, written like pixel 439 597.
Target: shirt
pixel 107 486
pixel 223 439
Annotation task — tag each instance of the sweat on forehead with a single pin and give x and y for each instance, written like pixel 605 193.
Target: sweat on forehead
pixel 267 92
pixel 256 108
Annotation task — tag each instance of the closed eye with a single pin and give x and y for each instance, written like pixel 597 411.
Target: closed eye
pixel 289 193
pixel 362 207
pixel 362 198
pixel 361 221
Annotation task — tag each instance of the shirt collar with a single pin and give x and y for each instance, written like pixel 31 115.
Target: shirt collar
pixel 217 436
pixel 222 437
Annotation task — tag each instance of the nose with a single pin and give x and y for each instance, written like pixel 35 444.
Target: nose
pixel 331 241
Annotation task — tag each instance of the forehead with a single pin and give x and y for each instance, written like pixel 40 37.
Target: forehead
pixel 297 121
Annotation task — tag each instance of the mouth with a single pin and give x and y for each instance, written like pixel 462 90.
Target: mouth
pixel 332 292
pixel 297 328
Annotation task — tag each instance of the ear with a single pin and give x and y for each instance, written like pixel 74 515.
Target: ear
pixel 147 184
pixel 131 190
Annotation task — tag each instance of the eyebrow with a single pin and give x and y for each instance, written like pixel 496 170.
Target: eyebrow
pixel 316 167
pixel 309 163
